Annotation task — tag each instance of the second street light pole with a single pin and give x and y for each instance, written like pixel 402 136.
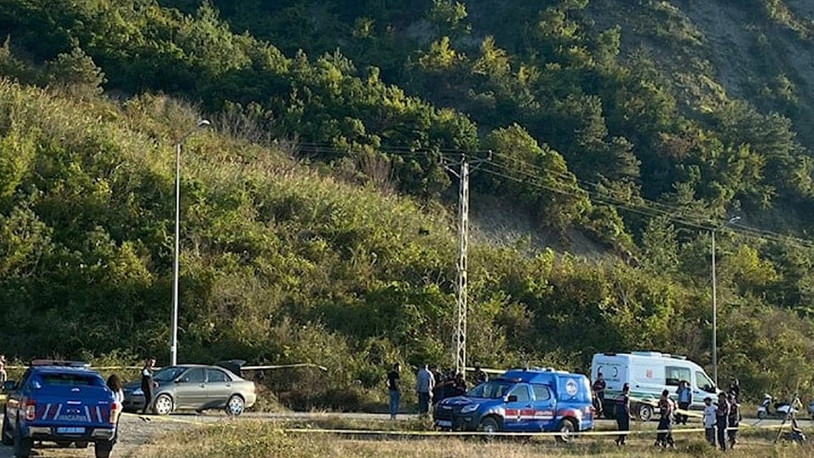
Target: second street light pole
pixel 732 220
pixel 174 331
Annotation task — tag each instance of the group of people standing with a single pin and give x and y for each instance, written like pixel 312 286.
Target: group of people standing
pixel 432 386
pixel 721 420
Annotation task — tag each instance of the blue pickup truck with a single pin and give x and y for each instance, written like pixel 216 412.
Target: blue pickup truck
pixel 522 400
pixel 62 402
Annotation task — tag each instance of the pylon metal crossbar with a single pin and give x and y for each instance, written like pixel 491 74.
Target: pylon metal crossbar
pixel 466 166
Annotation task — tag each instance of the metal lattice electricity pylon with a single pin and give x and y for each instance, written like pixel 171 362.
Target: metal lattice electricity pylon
pixel 459 338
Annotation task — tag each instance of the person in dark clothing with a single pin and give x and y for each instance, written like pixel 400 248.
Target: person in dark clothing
pixel 734 419
pixel 722 420
pixel 664 436
pixel 599 394
pixel 480 376
pixel 442 388
pixel 147 383
pixel 735 388
pixel 684 395
pixel 394 390
pixel 459 385
pixel 623 414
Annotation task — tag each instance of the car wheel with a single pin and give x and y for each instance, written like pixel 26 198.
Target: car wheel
pixel 235 406
pixel 163 405
pixel 102 449
pixel 8 439
pixel 644 412
pixel 81 445
pixel 22 445
pixel 489 425
pixel 63 444
pixel 566 429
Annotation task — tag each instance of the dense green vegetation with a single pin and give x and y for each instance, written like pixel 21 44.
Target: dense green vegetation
pixel 319 218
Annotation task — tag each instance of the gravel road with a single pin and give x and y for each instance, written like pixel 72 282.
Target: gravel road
pixel 133 433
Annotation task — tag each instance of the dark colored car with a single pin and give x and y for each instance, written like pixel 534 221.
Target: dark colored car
pixel 62 402
pixel 193 387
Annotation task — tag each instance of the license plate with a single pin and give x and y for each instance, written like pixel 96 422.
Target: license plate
pixel 444 423
pixel 70 430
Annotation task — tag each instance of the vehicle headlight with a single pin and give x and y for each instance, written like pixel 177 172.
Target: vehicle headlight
pixel 470 408
pixel 138 392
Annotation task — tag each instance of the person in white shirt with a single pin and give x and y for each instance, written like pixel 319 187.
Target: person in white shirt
pixel 710 410
pixel 3 374
pixel 424 384
pixel 114 384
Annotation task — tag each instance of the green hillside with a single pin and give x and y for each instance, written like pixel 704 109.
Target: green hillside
pixel 318 217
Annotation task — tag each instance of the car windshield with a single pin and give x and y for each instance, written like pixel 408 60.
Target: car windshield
pixel 494 389
pixel 168 374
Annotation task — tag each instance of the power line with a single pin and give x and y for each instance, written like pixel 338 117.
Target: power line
pixel 652 212
pixel 659 208
pixel 595 191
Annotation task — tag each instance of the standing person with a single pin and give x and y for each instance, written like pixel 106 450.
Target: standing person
pixel 664 436
pixel 393 390
pixel 623 414
pixel 599 394
pixel 684 394
pixel 735 388
pixel 459 385
pixel 147 382
pixel 734 419
pixel 3 373
pixel 114 384
pixel 709 420
pixel 424 384
pixel 480 376
pixel 722 420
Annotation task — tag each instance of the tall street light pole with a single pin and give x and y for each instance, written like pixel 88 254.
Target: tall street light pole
pixel 178 146
pixel 732 220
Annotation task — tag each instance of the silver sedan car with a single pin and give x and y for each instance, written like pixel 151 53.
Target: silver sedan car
pixel 193 387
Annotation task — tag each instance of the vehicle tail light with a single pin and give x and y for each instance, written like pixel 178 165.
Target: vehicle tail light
pixel 115 411
pixel 30 409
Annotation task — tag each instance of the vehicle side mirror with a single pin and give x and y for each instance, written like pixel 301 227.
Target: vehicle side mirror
pixel 9 386
pixel 511 398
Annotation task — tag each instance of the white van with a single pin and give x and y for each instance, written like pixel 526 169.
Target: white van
pixel 649 373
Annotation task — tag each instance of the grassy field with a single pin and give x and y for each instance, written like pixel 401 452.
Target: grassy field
pixel 262 439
